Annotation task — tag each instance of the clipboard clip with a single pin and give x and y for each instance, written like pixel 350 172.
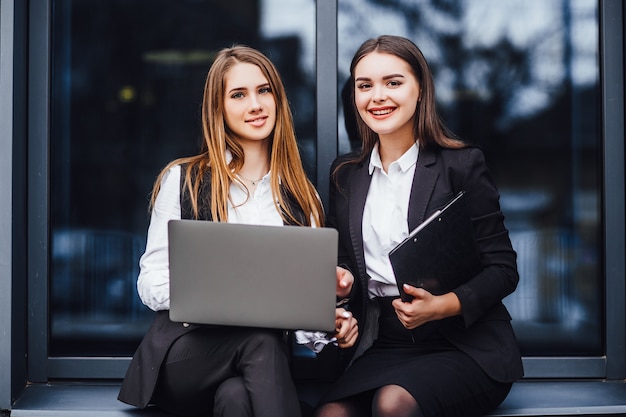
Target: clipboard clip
pixel 433 216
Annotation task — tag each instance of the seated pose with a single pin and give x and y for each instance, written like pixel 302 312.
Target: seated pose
pixel 450 354
pixel 248 171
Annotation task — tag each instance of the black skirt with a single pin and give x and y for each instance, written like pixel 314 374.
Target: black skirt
pixel 443 380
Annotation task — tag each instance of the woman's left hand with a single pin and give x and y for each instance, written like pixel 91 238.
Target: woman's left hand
pixel 425 307
pixel 346 328
pixel 345 280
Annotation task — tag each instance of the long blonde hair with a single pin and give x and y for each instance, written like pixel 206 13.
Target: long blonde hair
pixel 286 170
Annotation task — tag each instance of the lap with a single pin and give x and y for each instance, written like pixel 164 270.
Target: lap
pixel 198 363
pixel 218 342
pixel 443 383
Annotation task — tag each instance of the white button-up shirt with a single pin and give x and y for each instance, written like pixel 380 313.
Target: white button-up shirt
pixel 385 217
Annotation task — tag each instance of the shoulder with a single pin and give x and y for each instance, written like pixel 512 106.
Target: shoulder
pixel 454 158
pixel 345 167
pixel 347 161
pixel 460 152
pixel 170 176
pixel 347 157
pixel 168 194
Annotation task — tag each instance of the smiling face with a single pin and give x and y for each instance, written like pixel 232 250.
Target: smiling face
pixel 386 94
pixel 249 103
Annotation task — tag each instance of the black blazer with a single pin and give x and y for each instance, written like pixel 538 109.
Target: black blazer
pixel 484 330
pixel 143 371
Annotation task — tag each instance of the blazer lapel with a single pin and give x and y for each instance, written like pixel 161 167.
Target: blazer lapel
pixel 424 181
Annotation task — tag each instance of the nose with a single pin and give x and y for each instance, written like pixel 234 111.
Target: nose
pixel 379 95
pixel 255 103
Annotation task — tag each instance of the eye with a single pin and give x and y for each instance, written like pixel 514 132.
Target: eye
pixel 237 94
pixel 394 83
pixel 363 86
pixel 265 90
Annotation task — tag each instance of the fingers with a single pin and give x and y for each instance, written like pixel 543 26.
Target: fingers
pixel 347 330
pixel 350 339
pixel 425 307
pixel 345 279
pixel 412 314
pixel 407 320
pixel 411 290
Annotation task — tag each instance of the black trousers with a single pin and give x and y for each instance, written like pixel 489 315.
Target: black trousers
pixel 227 372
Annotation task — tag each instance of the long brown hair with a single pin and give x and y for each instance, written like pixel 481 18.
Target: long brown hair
pixel 428 127
pixel 286 170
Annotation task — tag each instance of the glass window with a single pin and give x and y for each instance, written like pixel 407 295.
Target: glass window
pixel 127 83
pixel 520 79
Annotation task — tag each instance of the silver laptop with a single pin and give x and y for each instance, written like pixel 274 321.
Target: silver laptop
pixel 248 275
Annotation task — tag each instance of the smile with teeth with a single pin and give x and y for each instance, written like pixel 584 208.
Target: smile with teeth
pixel 381 112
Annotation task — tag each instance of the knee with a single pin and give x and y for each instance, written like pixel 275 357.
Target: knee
pixel 330 410
pixel 230 395
pixel 393 400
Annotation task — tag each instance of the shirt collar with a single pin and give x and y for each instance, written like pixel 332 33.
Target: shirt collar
pixel 405 162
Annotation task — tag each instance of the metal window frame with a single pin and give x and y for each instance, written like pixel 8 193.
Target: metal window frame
pixel 612 82
pixel 6 189
pixel 39 58
pixel 611 366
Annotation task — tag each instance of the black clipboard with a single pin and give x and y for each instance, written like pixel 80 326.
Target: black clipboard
pixel 440 254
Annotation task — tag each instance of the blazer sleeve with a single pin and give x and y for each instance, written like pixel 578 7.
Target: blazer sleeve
pixel 499 276
pixel 338 207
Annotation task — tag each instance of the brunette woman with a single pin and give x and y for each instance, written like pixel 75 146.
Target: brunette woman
pixel 452 354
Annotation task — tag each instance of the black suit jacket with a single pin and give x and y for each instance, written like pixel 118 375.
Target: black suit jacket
pixel 484 330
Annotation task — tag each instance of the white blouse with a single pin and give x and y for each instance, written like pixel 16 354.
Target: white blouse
pixel 385 218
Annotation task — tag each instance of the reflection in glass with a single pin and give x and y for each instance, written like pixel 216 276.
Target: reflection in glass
pixel 127 84
pixel 520 79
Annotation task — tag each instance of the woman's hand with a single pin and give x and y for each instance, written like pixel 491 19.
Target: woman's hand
pixel 345 279
pixel 425 307
pixel 346 328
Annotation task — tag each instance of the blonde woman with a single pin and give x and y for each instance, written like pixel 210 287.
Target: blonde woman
pixel 248 171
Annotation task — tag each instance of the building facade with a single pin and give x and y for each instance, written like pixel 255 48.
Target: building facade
pixel 96 96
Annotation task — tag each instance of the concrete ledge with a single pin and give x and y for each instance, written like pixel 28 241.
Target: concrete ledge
pixel 564 398
pixel 74 400
pixel 527 398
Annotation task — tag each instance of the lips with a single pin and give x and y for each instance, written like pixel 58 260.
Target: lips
pixel 259 121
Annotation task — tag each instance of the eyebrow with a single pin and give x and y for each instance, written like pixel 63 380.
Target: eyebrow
pixel 386 77
pixel 246 88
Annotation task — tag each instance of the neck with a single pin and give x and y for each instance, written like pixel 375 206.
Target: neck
pixel 256 160
pixel 391 150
